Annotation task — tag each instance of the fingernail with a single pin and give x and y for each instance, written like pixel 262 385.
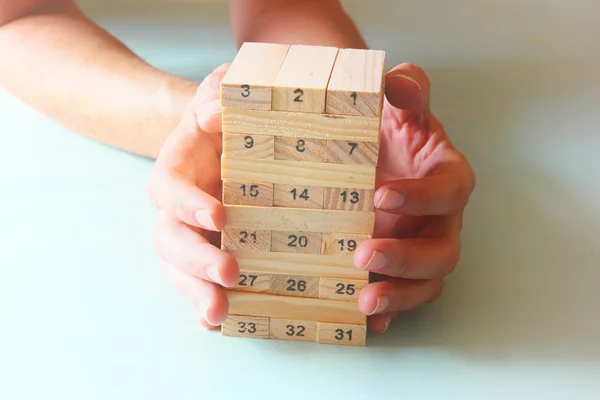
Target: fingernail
pixel 212 108
pixel 204 219
pixel 213 274
pixel 405 77
pixel 377 261
pixel 206 312
pixel 387 324
pixel 383 303
pixel 391 199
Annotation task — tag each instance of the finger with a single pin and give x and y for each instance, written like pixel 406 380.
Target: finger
pixel 407 87
pixel 207 297
pixel 208 100
pixel 444 191
pixel 171 186
pixel 187 250
pixel 428 258
pixel 398 295
pixel 379 323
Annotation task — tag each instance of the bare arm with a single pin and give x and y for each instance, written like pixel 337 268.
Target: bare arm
pixel 312 22
pixel 61 63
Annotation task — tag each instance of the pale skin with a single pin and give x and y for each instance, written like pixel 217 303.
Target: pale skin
pixel 88 81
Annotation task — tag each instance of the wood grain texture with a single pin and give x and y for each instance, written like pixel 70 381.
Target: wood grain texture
pixel 250 281
pixel 304 125
pixel 348 199
pixel 298 196
pixel 296 242
pixel 300 149
pixel 341 289
pixel 293 329
pixel 298 173
pixel 248 193
pixel 246 239
pixel 333 266
pixel 239 145
pixel 295 285
pixel 249 79
pixel 349 152
pixel 245 326
pixel 289 307
pixel 301 82
pixel 356 83
pixel 295 219
pixel 342 244
pixel 342 334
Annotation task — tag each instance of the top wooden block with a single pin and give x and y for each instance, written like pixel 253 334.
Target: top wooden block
pixel 305 79
pixel 248 81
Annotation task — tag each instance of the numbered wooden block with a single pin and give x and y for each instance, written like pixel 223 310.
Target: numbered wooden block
pixel 254 282
pixel 246 326
pixel 294 307
pixel 303 125
pixel 300 149
pixel 295 285
pixel 299 264
pixel 247 83
pixel 341 289
pixel 246 239
pixel 298 219
pixel 348 199
pixel 342 334
pixel 298 196
pixel 239 145
pixel 296 242
pixel 248 193
pixel 301 82
pixel 341 243
pixel 303 173
pixel 352 152
pixel 356 83
pixel 291 329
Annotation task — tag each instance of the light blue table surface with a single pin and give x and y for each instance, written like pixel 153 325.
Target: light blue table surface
pixel 85 312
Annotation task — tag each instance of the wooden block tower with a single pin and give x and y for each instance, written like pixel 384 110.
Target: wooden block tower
pixel 300 147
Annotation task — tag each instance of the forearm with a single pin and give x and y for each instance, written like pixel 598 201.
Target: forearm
pixel 311 22
pixel 77 74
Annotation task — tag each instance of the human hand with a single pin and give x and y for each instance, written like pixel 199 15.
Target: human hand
pixel 185 185
pixel 423 185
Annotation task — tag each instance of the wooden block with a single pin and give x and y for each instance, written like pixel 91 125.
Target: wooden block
pixel 343 334
pixel 296 242
pixel 333 266
pixel 301 82
pixel 239 145
pixel 290 307
pixel 304 125
pixel 349 152
pixel 291 329
pixel 245 326
pixel 248 193
pixel 356 83
pixel 295 285
pixel 299 149
pixel 257 282
pixel 296 219
pixel 341 243
pixel 348 199
pixel 298 173
pixel 298 196
pixel 248 81
pixel 341 289
pixel 246 239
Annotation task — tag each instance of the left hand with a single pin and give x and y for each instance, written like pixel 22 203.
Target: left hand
pixel 423 185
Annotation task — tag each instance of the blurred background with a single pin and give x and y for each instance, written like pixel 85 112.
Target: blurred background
pixel 516 84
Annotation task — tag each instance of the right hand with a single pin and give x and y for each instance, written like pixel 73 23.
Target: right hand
pixel 185 185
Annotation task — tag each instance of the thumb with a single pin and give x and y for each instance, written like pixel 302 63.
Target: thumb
pixel 407 87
